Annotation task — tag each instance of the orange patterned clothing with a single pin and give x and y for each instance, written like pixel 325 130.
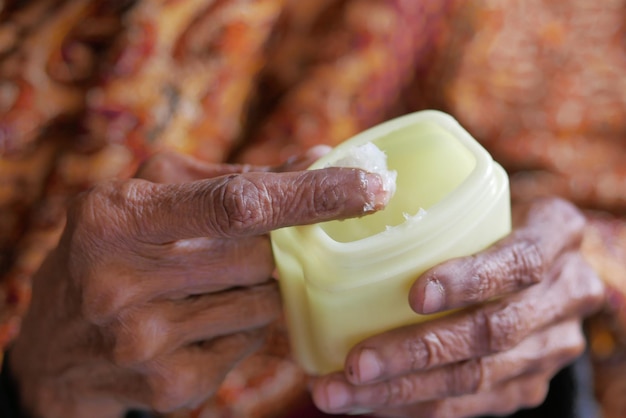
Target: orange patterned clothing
pixel 90 89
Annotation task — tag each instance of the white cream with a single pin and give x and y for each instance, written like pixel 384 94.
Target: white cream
pixel 370 158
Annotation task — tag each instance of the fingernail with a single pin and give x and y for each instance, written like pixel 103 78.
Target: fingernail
pixel 338 396
pixel 318 151
pixel 369 366
pixel 376 190
pixel 434 295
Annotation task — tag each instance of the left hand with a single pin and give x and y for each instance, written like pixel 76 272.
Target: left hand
pixel 156 291
pixel 526 297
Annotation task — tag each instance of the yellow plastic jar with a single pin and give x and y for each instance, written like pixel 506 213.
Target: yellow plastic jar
pixel 343 281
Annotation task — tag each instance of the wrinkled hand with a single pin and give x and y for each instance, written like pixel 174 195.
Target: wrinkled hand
pixel 157 290
pixel 527 296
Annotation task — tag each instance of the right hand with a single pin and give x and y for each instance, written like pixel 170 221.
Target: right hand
pixel 157 290
pixel 524 301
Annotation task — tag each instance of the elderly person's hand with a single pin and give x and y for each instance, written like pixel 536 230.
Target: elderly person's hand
pixel 158 288
pixel 524 300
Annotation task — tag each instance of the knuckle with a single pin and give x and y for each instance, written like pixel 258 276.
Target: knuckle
pixel 586 289
pixel 595 293
pixel 567 211
pixel 157 168
pixel 558 216
pixel 511 266
pixel 528 263
pixel 136 339
pixel 574 351
pixel 322 200
pixel 573 343
pixel 399 391
pixel 102 300
pixel 332 195
pixel 107 209
pixel 422 352
pixel 502 326
pixel 534 393
pixel 465 378
pixel 243 205
pixel 86 211
pixel 597 289
pixel 90 200
pixel 264 303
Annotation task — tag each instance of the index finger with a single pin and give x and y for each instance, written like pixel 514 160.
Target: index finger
pixel 255 203
pixel 549 228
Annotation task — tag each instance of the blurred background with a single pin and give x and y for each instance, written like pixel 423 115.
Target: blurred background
pixel 90 88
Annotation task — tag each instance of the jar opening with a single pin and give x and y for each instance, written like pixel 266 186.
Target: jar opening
pixel 430 163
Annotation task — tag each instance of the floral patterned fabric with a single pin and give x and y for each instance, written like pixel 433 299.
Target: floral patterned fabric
pixel 90 89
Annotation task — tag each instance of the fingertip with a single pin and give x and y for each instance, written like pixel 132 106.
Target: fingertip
pixel 363 366
pixel 378 194
pixel 331 395
pixel 318 394
pixel 428 296
pixel 446 286
pixel 344 193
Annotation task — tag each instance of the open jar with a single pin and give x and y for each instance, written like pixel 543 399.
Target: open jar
pixel 344 281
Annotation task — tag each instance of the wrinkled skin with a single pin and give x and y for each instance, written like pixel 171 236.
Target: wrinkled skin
pixel 524 301
pixel 160 286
